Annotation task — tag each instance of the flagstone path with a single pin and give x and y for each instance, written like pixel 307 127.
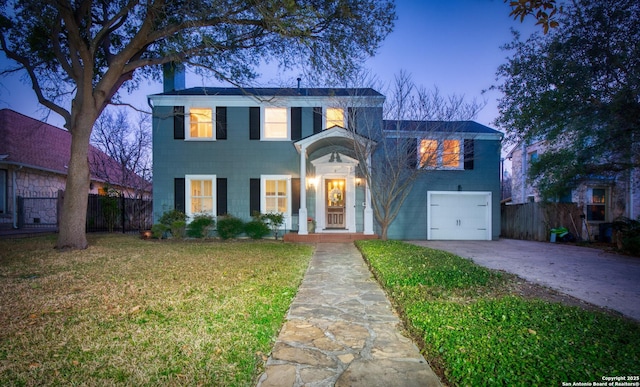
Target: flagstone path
pixel 341 331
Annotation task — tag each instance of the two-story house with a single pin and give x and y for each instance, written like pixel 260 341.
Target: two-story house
pixel 291 150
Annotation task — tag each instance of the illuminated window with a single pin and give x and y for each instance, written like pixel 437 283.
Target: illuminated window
pixel 451 153
pixel 275 194
pixel 200 194
pixel 335 117
pixel 275 123
pixel 597 205
pixel 428 153
pixel 200 123
pixel 440 153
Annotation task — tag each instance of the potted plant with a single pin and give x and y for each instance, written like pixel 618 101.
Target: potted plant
pixel 311 225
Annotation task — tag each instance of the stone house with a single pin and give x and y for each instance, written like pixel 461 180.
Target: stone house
pixel 33 164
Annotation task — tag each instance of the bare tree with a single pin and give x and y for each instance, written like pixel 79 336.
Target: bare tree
pixel 396 155
pixel 77 55
pixel 128 148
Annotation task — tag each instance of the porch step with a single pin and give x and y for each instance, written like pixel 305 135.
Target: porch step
pixel 327 237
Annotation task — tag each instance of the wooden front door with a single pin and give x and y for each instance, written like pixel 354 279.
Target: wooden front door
pixel 335 189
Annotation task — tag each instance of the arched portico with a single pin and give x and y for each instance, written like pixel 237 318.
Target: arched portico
pixel 328 170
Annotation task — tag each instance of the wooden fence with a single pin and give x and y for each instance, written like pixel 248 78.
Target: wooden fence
pixel 534 221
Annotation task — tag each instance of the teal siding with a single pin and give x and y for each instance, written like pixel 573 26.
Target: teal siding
pixel 411 222
pixel 237 159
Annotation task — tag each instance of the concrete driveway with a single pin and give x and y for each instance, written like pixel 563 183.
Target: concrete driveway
pixel 598 277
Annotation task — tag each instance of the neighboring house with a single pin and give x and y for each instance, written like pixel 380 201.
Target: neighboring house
pixel 33 164
pixel 601 200
pixel 232 151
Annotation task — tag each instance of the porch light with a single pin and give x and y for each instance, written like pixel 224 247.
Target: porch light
pixel 358 181
pixel 311 182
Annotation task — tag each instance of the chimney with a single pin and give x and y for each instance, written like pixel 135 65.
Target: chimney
pixel 173 76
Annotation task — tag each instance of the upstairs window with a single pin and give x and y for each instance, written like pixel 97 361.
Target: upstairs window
pixel 200 123
pixel 276 124
pixel 335 117
pixel 428 153
pixel 451 153
pixel 445 154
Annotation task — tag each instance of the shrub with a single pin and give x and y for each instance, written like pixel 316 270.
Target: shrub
pixel 628 235
pixel 200 226
pixel 171 216
pixel 178 228
pixel 256 229
pixel 229 227
pixel 174 221
pixel 158 230
pixel 274 220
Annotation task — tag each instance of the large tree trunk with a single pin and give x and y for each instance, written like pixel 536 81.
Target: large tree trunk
pixel 72 233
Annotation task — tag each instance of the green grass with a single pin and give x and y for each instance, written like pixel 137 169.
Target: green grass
pixel 134 312
pixel 475 331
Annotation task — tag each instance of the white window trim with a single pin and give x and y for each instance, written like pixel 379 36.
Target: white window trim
pixel 263 197
pixel 187 193
pixel 263 124
pixel 589 202
pixel 439 166
pixel 187 123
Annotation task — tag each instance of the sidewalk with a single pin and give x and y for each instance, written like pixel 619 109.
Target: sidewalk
pixel 341 330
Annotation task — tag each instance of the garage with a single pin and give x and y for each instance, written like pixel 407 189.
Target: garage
pixel 458 215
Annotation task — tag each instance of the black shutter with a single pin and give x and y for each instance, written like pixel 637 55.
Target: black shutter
pixel 254 123
pixel 317 120
pixel 295 195
pixel 178 122
pixel 412 153
pixel 469 153
pixel 221 196
pixel 221 123
pixel 178 194
pixel 296 123
pixel 254 196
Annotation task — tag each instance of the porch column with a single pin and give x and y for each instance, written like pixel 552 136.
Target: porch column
pixel 368 211
pixel 302 214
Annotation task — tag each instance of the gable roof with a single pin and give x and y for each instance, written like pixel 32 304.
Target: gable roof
pixel 276 92
pixel 35 144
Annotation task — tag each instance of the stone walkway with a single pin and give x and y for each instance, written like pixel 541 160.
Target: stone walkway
pixel 341 331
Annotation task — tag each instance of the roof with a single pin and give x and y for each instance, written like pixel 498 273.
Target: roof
pixel 439 126
pixel 280 92
pixel 35 144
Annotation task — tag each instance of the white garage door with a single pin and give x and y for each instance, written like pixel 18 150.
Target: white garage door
pixel 459 215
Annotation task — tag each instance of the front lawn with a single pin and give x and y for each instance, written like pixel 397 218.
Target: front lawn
pixel 135 312
pixel 476 329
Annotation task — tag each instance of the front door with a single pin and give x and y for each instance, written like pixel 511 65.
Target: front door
pixel 335 189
